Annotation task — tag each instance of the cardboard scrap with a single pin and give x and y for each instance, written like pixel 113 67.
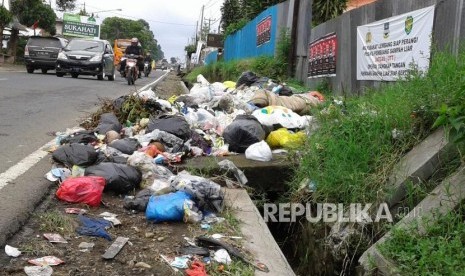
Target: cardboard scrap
pixel 115 248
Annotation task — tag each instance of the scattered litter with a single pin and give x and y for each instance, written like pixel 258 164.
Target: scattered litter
pixel 93 227
pixel 230 166
pixel 108 214
pixel 197 269
pixel 169 261
pixel 38 270
pixel 143 265
pixel 55 238
pixel 222 256
pixel 180 262
pixel 195 250
pixel 115 248
pixel 86 246
pixel 12 251
pixel 220 236
pixel 205 226
pixel 113 220
pixel 75 211
pixel 160 239
pixel 46 261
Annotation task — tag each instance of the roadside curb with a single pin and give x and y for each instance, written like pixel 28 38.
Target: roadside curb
pixel 153 84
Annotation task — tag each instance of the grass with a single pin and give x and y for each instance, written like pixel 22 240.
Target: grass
pixel 352 154
pixel 438 252
pixel 236 268
pixel 56 222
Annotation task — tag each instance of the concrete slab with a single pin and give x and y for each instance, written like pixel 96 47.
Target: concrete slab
pixel 446 197
pixel 263 176
pixel 260 242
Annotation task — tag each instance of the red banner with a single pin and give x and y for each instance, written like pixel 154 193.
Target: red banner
pixel 322 55
pixel 264 31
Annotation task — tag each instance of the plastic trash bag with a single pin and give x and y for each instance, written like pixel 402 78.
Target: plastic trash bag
pixel 169 207
pixel 86 189
pixel 82 137
pixel 279 116
pixel 174 124
pixel 126 145
pixel 259 151
pixel 171 142
pixel 244 131
pixel 149 170
pixel 75 154
pixel 229 84
pixel 120 178
pixel 108 121
pixel 247 78
pixel 139 202
pixel 205 192
pixel 283 138
pixel 93 227
pixel 201 118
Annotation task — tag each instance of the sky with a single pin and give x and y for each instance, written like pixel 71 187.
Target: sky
pixel 173 22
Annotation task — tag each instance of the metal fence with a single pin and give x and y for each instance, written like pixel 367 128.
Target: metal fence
pixel 257 38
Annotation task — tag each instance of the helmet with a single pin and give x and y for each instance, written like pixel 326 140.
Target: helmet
pixel 147 54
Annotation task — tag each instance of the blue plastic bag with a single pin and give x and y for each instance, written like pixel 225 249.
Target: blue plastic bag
pixel 168 207
pixel 93 227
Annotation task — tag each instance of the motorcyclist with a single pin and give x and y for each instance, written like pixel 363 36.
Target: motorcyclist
pixel 134 49
pixel 148 58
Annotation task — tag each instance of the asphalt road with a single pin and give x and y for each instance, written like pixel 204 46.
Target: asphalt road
pixel 31 106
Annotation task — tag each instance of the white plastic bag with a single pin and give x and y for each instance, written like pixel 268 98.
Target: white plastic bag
pixel 274 115
pixel 259 151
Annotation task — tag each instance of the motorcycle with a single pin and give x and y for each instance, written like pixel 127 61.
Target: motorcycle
pixel 131 72
pixel 147 68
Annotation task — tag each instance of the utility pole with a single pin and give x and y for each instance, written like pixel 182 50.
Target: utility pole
pixel 196 31
pixel 201 22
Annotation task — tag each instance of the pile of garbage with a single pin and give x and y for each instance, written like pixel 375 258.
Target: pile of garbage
pixel 136 154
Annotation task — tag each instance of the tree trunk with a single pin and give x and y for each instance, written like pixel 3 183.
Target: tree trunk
pixel 13 43
pixel 1 37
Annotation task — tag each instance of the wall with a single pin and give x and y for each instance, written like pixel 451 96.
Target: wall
pixel 243 43
pixel 211 57
pixel 448 32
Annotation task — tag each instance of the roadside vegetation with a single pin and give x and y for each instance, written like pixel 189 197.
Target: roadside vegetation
pixel 437 252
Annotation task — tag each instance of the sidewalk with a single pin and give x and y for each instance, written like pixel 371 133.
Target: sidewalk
pixel 8 67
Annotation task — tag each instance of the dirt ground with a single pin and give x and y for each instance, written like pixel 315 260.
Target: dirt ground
pixel 147 240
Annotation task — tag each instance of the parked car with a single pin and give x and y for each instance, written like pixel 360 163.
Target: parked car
pixel 42 52
pixel 86 57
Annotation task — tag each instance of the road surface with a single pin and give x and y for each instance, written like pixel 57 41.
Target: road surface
pixel 32 106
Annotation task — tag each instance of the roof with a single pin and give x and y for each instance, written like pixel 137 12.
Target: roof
pixel 353 4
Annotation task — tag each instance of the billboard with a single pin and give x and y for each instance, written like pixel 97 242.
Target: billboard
pixel 215 40
pixel 264 31
pixel 388 49
pixel 322 54
pixel 80 26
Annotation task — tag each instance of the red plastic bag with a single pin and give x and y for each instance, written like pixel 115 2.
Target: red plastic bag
pixel 197 269
pixel 85 189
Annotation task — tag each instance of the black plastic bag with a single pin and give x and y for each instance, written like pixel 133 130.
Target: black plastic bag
pixel 139 202
pixel 285 91
pixel 126 145
pixel 111 159
pixel 108 121
pixel 81 137
pixel 75 154
pixel 121 178
pixel 174 124
pixel 247 78
pixel 244 131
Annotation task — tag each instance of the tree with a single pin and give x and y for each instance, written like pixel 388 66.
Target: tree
pixel 5 19
pixel 324 10
pixel 29 12
pixel 173 60
pixel 190 49
pixel 116 27
pixel 230 13
pixel 65 5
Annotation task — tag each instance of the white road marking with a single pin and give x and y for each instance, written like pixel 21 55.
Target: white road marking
pixel 23 166
pixel 28 162
pixel 3 79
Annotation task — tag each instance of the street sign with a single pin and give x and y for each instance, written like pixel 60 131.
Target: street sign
pixel 80 26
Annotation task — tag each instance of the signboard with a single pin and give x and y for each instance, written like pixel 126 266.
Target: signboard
pixel 80 26
pixel 322 55
pixel 215 40
pixel 264 31
pixel 387 49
